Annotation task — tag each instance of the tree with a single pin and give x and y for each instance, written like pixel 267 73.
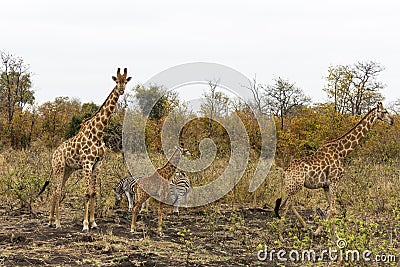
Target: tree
pixel 155 101
pixel 258 103
pixel 339 82
pixel 283 97
pixel 215 104
pixel 395 107
pixel 55 119
pixel 15 89
pixel 354 88
pixel 86 111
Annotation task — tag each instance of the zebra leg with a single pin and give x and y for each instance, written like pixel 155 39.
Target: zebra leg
pixel 187 198
pixel 177 203
pixel 129 197
pixel 176 210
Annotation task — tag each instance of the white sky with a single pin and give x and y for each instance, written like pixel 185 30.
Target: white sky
pixel 74 47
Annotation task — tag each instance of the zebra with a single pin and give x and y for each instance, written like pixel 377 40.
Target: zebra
pixel 127 186
pixel 179 187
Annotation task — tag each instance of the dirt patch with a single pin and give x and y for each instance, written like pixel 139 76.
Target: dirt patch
pixel 198 237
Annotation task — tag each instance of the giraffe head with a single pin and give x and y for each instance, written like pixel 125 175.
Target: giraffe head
pixel 383 115
pixel 121 80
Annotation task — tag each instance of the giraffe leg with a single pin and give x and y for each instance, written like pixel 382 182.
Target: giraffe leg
pixel 160 215
pixel 55 198
pixel 53 205
pixel 88 192
pixel 58 170
pixel 291 191
pixel 330 193
pixel 62 174
pixel 140 197
pixel 284 209
pixel 332 205
pixel 145 206
pixel 95 172
pixel 298 216
pixel 92 204
pixel 328 196
pixel 135 212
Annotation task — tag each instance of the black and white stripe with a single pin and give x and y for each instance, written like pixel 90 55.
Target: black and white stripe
pixel 126 186
pixel 179 188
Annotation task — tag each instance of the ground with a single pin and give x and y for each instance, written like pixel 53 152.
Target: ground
pixel 198 237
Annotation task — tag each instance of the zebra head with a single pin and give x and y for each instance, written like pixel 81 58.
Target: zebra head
pixel 118 193
pixel 183 150
pixel 180 174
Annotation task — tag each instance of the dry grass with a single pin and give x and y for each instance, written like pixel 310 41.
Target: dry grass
pixel 225 232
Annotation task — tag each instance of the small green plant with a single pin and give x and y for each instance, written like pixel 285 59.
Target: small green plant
pixel 26 174
pixel 186 238
pixel 211 216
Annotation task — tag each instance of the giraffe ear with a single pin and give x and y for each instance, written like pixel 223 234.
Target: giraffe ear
pixel 128 79
pixel 114 78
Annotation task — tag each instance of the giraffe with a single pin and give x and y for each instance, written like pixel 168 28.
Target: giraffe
pixel 85 151
pixel 167 172
pixel 324 169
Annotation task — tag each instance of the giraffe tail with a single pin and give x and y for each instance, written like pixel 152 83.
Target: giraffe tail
pixel 43 188
pixel 278 202
pixel 277 206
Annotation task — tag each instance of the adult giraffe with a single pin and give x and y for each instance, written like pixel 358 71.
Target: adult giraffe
pixel 85 151
pixel 324 169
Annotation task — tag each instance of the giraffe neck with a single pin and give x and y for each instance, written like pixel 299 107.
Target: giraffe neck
pixel 98 122
pixel 168 170
pixel 348 142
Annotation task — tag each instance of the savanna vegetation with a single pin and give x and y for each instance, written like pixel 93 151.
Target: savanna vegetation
pixel 228 232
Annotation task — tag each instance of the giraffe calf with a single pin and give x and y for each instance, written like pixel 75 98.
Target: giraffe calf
pixel 127 186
